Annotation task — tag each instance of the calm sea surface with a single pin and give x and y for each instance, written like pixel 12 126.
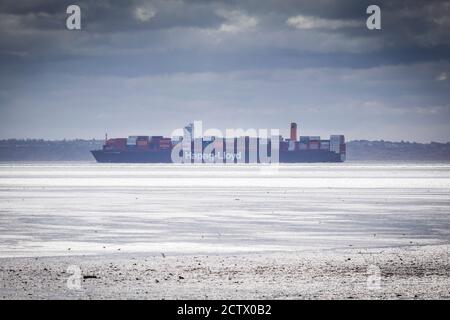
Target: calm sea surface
pixel 90 208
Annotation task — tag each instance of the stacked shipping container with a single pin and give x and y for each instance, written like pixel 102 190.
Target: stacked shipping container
pixel 335 144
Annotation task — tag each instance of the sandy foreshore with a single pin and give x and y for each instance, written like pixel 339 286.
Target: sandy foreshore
pixel 411 272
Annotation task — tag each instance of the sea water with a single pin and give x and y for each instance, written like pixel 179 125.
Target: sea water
pixel 90 208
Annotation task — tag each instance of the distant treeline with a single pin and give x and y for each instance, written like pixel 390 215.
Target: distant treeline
pixel 79 150
pixel 398 151
pixel 46 150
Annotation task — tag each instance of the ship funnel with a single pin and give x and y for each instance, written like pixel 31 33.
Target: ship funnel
pixel 293 131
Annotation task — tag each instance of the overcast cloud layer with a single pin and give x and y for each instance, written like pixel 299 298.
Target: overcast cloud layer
pixel 148 67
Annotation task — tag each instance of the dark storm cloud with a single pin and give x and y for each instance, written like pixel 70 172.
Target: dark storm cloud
pixel 37 27
pixel 413 31
pixel 112 15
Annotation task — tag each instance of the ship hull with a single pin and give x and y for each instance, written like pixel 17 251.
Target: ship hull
pixel 307 156
pixel 298 156
pixel 132 157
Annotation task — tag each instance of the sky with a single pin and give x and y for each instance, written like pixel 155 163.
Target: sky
pixel 149 67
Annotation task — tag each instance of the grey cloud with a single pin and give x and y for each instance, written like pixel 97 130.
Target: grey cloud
pixel 324 100
pixel 230 62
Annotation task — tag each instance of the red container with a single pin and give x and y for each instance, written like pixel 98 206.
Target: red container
pixel 120 143
pixel 142 143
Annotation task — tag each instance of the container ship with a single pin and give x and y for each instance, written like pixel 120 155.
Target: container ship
pixel 159 149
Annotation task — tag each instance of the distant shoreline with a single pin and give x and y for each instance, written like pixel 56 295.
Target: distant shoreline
pixel 357 150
